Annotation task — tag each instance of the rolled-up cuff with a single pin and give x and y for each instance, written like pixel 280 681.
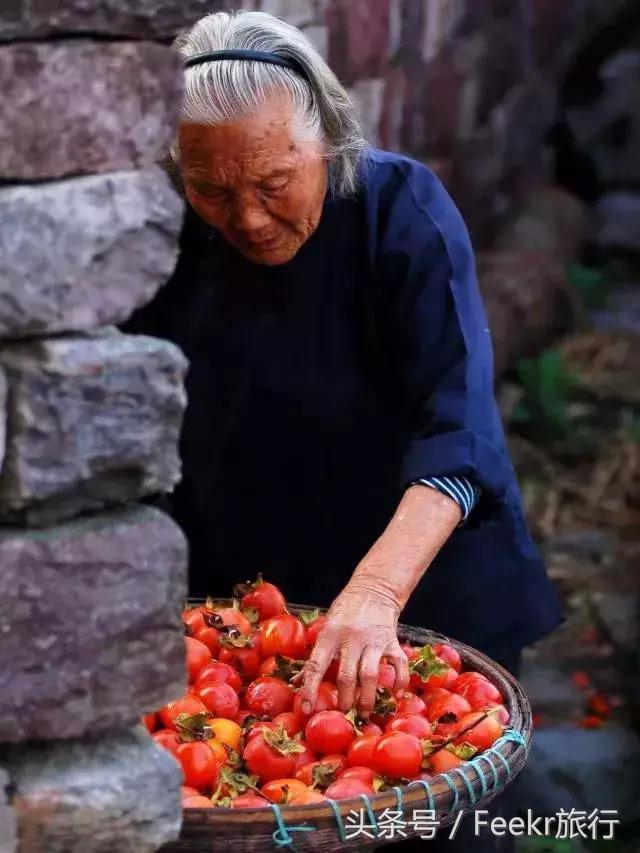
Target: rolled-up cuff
pixel 460 489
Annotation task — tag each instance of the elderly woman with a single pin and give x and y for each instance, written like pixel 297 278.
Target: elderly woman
pixel 341 435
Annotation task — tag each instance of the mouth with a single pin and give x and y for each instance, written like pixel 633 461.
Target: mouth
pixel 264 245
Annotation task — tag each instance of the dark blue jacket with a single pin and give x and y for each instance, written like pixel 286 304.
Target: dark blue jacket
pixel 320 389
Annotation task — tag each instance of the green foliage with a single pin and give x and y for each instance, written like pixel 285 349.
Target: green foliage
pixel 593 285
pixel 548 389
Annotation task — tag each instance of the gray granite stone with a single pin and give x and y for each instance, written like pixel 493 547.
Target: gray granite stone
pixel 3 415
pixel 90 624
pixel 85 252
pixel 93 421
pixel 80 107
pixel 145 18
pixel 116 794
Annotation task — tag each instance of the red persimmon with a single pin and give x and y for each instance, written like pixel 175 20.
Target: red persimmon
pixel 270 756
pixel 446 678
pixel 221 700
pixel 233 618
pixel 442 761
pixel 322 772
pixel 313 629
pixel 370 728
pixel 265 598
pixel 451 704
pixel 283 635
pixel 361 751
pixel 151 722
pixel 386 676
pixel 249 801
pixel 282 790
pixel 193 619
pixel 246 659
pixel 198 656
pixel 189 705
pixel 412 724
pixel 483 734
pixel 479 693
pixel 449 655
pixel 215 672
pixel 307 797
pixel 499 711
pixel 199 765
pixel 211 638
pixel 410 704
pixel 167 739
pixel 292 723
pixel 344 789
pixel 197 802
pixel 327 700
pixel 259 727
pixel 268 697
pixel 366 774
pixel 397 755
pixel 329 732
pixel 305 756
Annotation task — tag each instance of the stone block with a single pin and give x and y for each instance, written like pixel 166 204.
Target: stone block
pixel 116 794
pixel 85 252
pixel 3 415
pixel 7 818
pixel 526 299
pixel 618 221
pixel 548 220
pixel 367 97
pixel 80 107
pixel 92 421
pixel 90 624
pixel 318 36
pixel 359 34
pixel 30 19
pixel 295 12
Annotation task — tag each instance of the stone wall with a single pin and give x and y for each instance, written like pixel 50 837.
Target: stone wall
pixel 91 580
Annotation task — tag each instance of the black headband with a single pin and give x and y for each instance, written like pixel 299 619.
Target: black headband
pixel 249 55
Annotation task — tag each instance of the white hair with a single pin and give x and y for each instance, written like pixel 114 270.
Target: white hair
pixel 220 92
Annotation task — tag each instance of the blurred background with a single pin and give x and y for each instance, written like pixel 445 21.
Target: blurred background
pixel 529 111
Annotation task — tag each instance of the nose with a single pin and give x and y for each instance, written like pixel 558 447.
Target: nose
pixel 249 215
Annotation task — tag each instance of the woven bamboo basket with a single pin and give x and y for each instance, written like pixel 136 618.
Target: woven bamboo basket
pixel 327 827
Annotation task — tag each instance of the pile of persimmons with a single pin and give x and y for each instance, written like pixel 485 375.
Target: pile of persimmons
pixel 243 741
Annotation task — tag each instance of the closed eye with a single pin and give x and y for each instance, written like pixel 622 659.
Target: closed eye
pixel 275 184
pixel 209 190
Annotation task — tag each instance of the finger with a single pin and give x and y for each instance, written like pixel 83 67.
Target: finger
pixel 347 679
pixel 314 671
pixel 368 675
pixel 400 663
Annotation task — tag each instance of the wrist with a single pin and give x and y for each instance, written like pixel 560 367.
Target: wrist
pixel 366 585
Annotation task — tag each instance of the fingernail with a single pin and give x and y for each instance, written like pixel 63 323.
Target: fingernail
pixel 306 707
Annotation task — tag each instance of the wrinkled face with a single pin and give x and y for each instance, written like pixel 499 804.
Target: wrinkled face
pixel 259 187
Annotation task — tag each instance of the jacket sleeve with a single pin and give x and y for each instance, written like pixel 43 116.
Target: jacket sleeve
pixel 439 344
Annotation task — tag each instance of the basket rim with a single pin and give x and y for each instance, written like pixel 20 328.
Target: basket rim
pixel 515 754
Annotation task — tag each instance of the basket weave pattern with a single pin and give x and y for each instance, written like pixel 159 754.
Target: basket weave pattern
pixel 325 826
